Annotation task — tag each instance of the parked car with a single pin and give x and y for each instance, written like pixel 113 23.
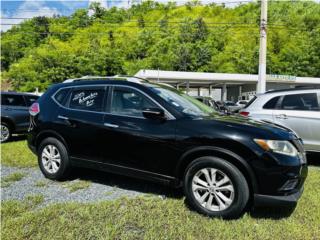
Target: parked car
pixel 15 113
pixel 296 109
pixel 242 103
pixel 154 132
pixel 209 102
pixel 232 106
pixel 222 106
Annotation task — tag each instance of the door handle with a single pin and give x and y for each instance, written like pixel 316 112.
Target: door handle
pixel 71 123
pixel 282 116
pixel 111 125
pixel 63 118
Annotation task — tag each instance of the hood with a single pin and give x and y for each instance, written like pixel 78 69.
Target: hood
pixel 232 124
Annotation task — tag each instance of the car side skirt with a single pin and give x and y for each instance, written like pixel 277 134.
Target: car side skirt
pixel 130 172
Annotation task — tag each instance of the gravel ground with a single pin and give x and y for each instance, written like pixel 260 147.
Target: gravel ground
pixel 102 186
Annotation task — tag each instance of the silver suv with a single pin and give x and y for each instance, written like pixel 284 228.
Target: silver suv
pixel 296 109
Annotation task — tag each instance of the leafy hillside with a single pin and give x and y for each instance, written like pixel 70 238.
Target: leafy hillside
pixel 210 38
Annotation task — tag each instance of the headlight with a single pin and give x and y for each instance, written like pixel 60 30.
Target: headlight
pixel 282 147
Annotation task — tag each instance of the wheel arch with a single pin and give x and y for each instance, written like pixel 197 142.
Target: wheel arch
pixel 9 121
pixel 234 157
pixel 46 134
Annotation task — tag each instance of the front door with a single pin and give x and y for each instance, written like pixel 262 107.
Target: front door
pixel 131 140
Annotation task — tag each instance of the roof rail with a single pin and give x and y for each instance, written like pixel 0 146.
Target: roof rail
pixel 85 78
pixel 297 88
pixel 116 77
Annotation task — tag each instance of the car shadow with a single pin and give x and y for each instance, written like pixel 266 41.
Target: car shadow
pixel 147 187
pixel 313 159
pixel 16 138
pixel 126 183
pixel 132 184
pixel 274 213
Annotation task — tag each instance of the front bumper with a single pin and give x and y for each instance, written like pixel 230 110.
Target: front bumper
pixel 285 201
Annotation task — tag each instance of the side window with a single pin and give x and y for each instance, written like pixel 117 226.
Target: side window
pixel 271 104
pixel 128 102
pixel 31 99
pixel 60 96
pixel 85 99
pixel 306 102
pixel 12 100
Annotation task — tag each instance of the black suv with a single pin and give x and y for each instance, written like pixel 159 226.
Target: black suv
pixel 152 131
pixel 15 116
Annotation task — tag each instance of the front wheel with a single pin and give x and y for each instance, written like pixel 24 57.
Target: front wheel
pixel 53 159
pixel 216 188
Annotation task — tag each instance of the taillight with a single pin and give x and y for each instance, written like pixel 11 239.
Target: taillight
pixel 245 114
pixel 34 109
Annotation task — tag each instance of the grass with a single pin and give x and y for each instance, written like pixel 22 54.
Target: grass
pixel 77 185
pixel 15 208
pixel 41 183
pixel 154 218
pixel 17 154
pixel 14 177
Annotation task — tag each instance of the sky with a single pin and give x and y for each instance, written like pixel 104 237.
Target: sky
pixel 12 10
pixel 30 8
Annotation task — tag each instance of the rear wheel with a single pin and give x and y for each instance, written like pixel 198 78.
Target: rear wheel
pixel 5 132
pixel 53 159
pixel 216 188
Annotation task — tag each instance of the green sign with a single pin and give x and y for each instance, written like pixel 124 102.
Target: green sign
pixel 284 78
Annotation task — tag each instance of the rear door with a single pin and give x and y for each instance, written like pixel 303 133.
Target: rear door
pixel 301 113
pixel 80 121
pixel 15 107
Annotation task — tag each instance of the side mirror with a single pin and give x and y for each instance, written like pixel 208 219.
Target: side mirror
pixel 154 113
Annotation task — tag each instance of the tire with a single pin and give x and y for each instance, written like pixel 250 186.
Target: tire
pixel 59 170
pixel 5 129
pixel 234 188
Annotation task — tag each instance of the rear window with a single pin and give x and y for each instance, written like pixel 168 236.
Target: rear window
pixel 30 99
pixel 230 104
pixel 251 101
pixel 271 104
pixel 60 96
pixel 12 100
pixel 89 100
pixel 304 102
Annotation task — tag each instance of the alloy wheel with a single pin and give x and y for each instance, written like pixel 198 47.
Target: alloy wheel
pixel 213 189
pixel 5 133
pixel 51 159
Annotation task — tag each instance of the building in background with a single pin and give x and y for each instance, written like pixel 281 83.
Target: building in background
pixel 224 86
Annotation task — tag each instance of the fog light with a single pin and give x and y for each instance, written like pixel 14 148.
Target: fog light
pixel 289 185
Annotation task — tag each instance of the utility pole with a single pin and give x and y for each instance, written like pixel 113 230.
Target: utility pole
pixel 261 87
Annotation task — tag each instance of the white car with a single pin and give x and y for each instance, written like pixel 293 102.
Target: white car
pixel 296 109
pixel 242 103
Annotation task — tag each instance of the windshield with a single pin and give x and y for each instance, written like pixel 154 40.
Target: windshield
pixel 182 102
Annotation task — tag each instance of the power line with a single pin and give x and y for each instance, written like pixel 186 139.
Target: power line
pixel 212 26
pixel 136 21
pixel 108 32
pixel 277 24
